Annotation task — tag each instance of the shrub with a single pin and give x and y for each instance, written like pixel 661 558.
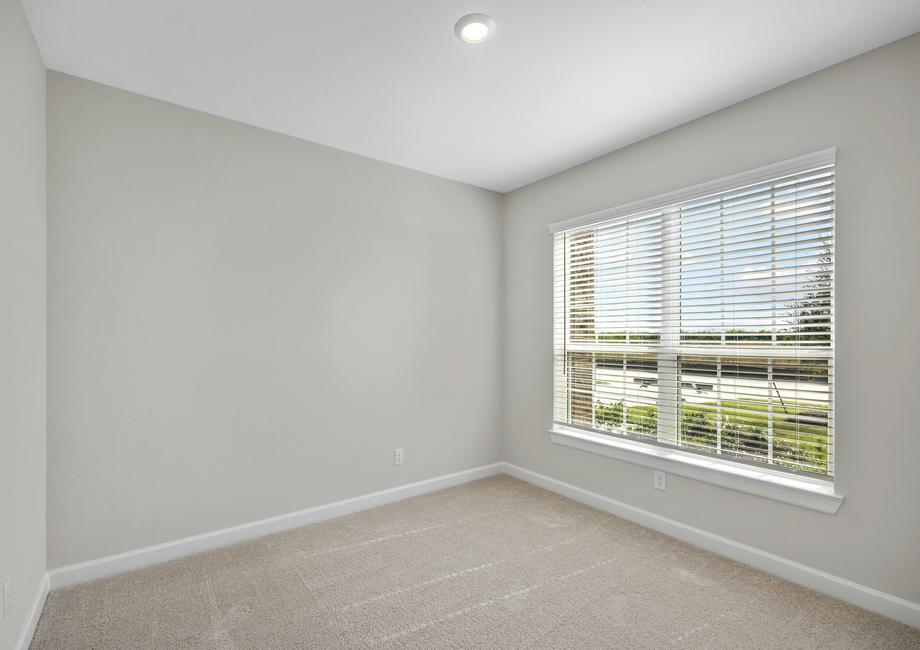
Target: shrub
pixel 744 428
pixel 698 425
pixel 609 415
pixel 642 420
pixel 742 437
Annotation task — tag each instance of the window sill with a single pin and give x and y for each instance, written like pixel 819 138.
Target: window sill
pixel 805 492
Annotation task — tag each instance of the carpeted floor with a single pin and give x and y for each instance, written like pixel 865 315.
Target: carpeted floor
pixel 493 564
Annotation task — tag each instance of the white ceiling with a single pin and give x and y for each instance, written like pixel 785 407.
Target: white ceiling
pixel 561 82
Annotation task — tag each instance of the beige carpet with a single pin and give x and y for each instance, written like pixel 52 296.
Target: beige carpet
pixel 493 564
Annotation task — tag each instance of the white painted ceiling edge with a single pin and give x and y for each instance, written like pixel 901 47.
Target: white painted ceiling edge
pixel 557 85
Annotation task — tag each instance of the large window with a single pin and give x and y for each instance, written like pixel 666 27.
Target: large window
pixel 705 323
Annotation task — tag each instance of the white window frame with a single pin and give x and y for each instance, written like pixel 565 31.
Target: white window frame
pixel 805 491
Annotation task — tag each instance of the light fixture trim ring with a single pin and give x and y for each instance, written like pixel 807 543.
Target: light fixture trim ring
pixel 475 19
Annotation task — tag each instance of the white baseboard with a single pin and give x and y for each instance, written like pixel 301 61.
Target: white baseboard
pixel 113 564
pixel 860 595
pixel 35 612
pixel 866 597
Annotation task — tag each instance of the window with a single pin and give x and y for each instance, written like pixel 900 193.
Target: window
pixel 704 320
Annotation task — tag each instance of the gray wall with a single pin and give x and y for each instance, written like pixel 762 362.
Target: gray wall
pixel 868 107
pixel 243 324
pixel 22 315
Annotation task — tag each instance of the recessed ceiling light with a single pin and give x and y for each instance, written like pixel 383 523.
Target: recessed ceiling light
pixel 474 28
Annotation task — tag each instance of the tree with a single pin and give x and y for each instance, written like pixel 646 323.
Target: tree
pixel 811 315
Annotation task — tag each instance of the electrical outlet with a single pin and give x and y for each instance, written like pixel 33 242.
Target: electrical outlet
pixel 660 480
pixel 7 597
pixel 399 456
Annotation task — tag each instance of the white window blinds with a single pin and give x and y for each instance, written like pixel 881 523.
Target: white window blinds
pixel 706 323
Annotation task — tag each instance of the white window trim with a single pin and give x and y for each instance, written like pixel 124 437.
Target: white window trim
pixel 812 493
pixel 803 491
pixel 791 166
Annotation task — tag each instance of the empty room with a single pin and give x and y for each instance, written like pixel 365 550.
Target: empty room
pixel 459 324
